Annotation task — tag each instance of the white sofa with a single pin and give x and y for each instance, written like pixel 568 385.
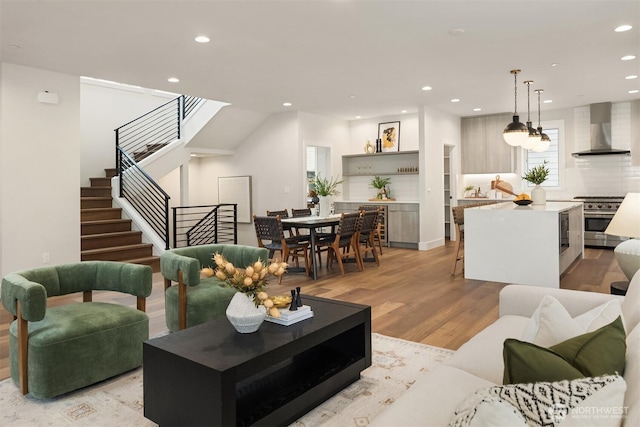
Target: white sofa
pixel 478 364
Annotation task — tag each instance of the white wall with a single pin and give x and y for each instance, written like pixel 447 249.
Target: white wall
pixel 103 109
pixel 437 129
pixel 40 169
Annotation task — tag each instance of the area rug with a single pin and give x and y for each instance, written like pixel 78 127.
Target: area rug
pixel 396 366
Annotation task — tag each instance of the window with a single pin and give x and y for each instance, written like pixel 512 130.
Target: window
pixel 551 155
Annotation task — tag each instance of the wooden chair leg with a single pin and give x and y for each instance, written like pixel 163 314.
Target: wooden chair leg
pixel 182 302
pixel 23 351
pixel 456 257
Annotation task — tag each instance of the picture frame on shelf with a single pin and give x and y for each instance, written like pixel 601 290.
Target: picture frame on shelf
pixel 389 133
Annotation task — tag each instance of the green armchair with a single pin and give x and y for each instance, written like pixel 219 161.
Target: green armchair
pixel 194 300
pixel 55 350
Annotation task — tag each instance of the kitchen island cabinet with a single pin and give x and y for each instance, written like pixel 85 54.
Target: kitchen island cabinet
pixel 527 245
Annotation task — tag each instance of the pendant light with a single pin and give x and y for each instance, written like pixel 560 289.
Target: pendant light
pixel 534 137
pixel 545 141
pixel 516 133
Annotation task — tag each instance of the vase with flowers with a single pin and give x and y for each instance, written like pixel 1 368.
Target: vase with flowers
pixel 250 304
pixel 325 188
pixel 537 175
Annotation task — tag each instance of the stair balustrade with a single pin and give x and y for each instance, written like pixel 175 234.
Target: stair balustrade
pixel 207 224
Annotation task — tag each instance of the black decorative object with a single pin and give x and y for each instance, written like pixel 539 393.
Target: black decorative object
pixel 298 299
pixel 294 303
pixel 378 145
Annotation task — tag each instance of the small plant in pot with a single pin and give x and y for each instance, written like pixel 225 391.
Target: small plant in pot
pixel 380 183
pixel 326 186
pixel 537 175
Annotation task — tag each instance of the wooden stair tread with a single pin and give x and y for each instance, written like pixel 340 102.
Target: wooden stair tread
pixel 112 234
pixel 117 248
pixel 105 221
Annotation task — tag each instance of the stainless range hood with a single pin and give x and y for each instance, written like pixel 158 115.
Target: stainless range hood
pixel 601 133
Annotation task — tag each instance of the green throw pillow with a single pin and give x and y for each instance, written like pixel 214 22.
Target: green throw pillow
pixel 601 352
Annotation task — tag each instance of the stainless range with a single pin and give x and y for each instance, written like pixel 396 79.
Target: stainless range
pixel 598 212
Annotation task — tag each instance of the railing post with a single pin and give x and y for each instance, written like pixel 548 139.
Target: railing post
pixel 235 224
pixel 180 107
pixel 215 224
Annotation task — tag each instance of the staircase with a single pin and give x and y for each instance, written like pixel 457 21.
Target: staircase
pixel 104 234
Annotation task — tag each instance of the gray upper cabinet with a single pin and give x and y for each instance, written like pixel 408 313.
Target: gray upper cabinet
pixel 483 148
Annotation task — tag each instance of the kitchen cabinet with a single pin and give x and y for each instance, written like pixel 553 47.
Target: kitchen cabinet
pixel 396 163
pixel 483 148
pixel 403 225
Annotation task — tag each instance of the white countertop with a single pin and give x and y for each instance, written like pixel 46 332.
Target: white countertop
pixel 547 207
pixel 377 201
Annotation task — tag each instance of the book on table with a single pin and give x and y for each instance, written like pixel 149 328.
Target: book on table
pixel 289 317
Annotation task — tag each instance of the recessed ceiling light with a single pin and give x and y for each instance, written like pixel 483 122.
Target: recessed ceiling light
pixel 426 88
pixel 456 32
pixel 352 97
pixel 455 100
pixel 631 77
pixel 202 39
pixel 358 117
pixel 14 46
pixel 173 80
pixel 403 111
pixel 634 91
pixel 628 57
pixel 477 109
pixel 286 104
pixel 623 28
pixel 555 64
pixel 547 101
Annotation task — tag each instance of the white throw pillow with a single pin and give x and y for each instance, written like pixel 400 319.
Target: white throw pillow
pixel 551 323
pixel 581 402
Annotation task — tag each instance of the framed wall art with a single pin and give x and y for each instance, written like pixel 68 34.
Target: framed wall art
pixel 389 133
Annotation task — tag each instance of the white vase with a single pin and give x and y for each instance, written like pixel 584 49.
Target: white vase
pixel 325 206
pixel 538 195
pixel 243 313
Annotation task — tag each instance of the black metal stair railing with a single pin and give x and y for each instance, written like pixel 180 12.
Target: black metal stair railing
pixel 189 103
pixel 207 224
pixel 137 140
pixel 144 194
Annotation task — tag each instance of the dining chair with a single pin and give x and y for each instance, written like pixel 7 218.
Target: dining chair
pixel 344 243
pixel 307 212
pixel 377 235
pixel 270 235
pixel 283 214
pixel 366 241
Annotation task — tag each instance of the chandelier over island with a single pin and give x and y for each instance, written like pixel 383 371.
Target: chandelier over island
pixel 518 134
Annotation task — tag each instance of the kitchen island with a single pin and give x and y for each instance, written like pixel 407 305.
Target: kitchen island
pixel 527 245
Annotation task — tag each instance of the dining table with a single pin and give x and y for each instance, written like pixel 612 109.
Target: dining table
pixel 313 224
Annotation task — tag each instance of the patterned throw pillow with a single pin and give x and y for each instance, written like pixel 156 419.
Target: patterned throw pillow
pixel 584 401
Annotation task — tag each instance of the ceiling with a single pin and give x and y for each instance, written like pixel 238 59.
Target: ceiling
pixel 340 58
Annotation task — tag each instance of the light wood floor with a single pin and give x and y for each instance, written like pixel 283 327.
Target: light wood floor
pixel 412 294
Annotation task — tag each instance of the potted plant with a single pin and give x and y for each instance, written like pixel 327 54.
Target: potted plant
pixel 325 187
pixel 537 175
pixel 380 183
pixel 467 189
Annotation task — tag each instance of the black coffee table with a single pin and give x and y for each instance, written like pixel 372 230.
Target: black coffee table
pixel 212 375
